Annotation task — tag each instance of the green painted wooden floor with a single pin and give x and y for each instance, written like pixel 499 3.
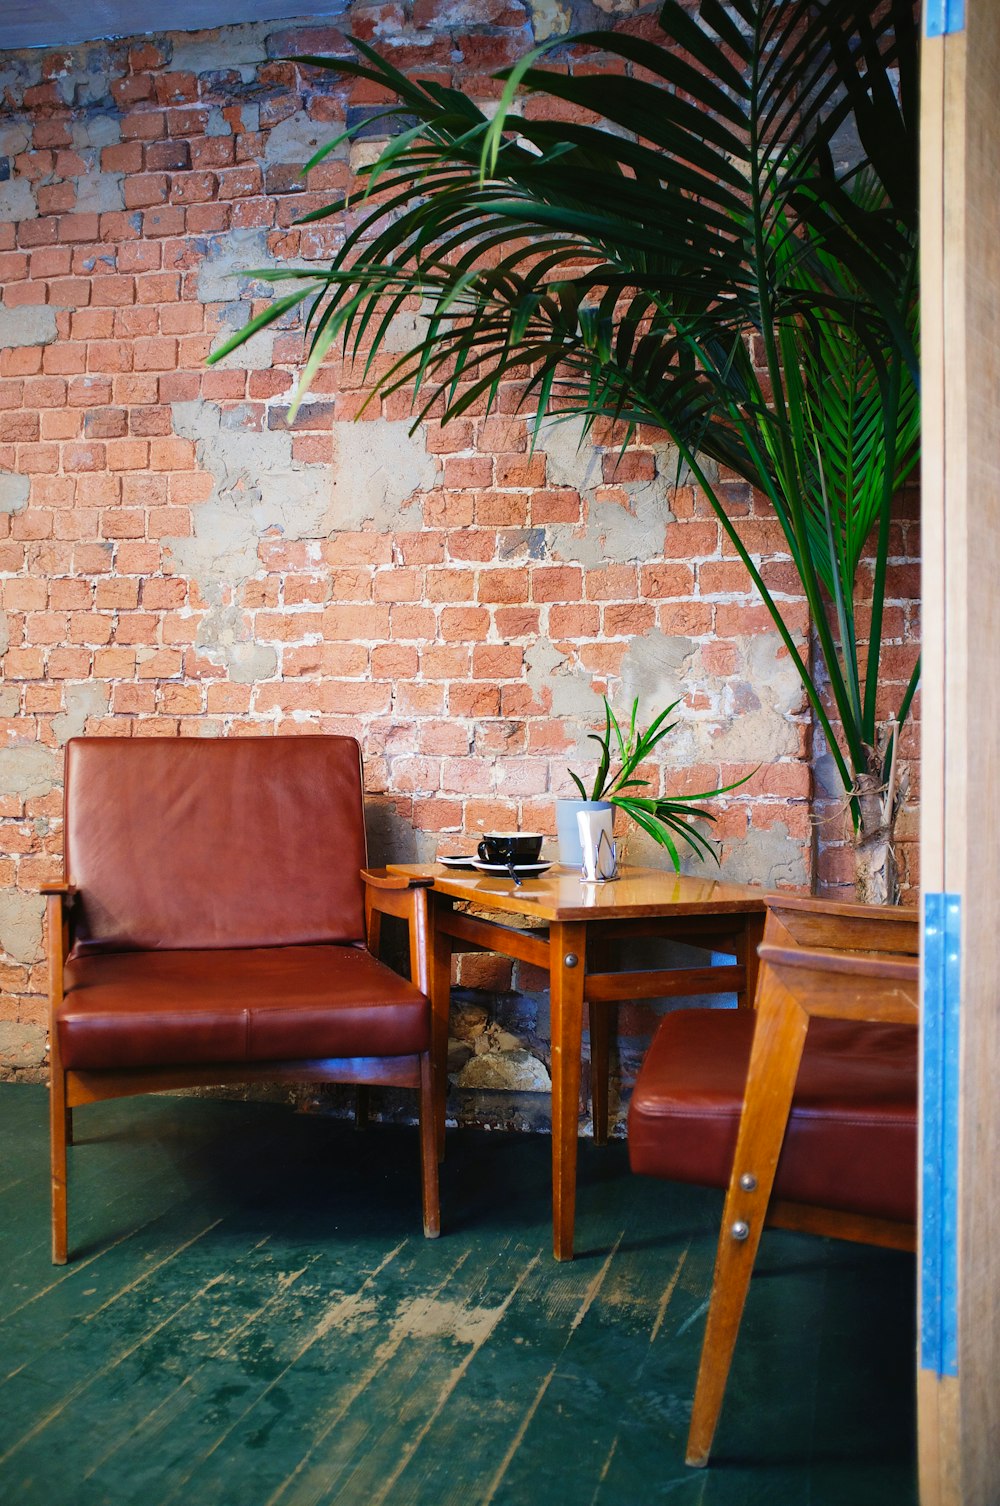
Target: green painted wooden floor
pixel 253 1317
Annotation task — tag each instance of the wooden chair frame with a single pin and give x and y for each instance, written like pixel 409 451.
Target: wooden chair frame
pixel 385 894
pixel 836 961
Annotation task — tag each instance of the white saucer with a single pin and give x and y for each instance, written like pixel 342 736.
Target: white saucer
pixel 459 861
pixel 523 870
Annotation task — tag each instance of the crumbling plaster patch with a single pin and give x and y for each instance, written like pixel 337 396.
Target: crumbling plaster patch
pixel 21 924
pixel 227 262
pixel 569 690
pixel 550 18
pixel 224 47
pixel 225 631
pixel 22 1048
pixel 297 139
pixel 99 192
pixel 392 838
pixel 13 492
pixel 612 533
pixel 15 136
pixel 81 703
pixel 770 857
pixel 93 133
pixel 752 712
pixel 28 771
pixel 27 324
pixel 17 202
pixel 377 467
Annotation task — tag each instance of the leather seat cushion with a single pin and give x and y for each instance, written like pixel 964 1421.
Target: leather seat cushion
pixel 138 1009
pixel 851 1142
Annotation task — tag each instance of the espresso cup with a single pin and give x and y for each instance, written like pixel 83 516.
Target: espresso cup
pixel 510 846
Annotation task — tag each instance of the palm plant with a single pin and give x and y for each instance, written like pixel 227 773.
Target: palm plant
pixel 697 261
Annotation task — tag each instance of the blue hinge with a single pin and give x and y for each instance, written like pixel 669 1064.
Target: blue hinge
pixel 939 1116
pixel 942 17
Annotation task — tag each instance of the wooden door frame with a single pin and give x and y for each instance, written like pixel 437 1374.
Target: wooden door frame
pixel 959 1330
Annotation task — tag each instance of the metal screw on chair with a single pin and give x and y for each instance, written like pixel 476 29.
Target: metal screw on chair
pixel 571 959
pixel 748 1182
pixel 740 1230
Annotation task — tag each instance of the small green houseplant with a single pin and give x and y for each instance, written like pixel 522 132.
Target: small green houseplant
pixel 617 781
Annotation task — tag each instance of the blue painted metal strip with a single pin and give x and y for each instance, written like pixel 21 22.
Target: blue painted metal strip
pixel 942 17
pixel 939 1113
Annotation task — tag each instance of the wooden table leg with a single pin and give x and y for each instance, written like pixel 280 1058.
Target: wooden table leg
pixel 567 967
pixel 746 956
pixel 602 1022
pixel 440 997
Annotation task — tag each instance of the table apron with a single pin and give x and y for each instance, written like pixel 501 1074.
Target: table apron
pixel 600 987
pixel 669 983
pixel 488 936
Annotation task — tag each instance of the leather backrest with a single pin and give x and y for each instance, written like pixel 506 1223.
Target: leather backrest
pixel 215 842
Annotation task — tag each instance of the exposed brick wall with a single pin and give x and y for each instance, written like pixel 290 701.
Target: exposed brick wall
pixel 175 558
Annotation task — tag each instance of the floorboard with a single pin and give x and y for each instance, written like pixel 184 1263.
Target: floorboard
pixel 251 1317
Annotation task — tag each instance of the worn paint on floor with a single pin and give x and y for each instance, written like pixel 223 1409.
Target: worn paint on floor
pixel 253 1318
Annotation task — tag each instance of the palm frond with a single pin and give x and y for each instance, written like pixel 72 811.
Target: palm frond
pixel 620 270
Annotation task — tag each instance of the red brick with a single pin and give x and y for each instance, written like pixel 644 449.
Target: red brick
pixel 63 424
pixel 84 457
pixel 127 454
pixel 460 624
pixel 518 622
pixel 462 471
pixel 506 585
pixel 496 661
pixel 685 618
pixel 62 359
pixel 122 523
pixel 562 583
pixel 171 455
pixel 409 622
pixel 474 700
pixel 42 232
pixel 450 585
pixel 520 470
pixel 143 125
pixel 576 621
pixel 445 662
pixel 367 624
pixel 22 294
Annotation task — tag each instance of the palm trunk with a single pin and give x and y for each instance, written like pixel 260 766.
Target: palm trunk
pixel 876 873
pixel 878 802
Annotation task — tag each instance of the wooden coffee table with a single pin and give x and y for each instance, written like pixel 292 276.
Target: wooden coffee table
pixel 570 928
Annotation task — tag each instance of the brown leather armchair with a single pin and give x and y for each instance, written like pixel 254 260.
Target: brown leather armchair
pixel 214 927
pixel 804 1108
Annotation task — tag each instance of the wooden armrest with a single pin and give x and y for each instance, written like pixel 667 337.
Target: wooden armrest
pixel 891 966
pixel 860 985
pixel 381 878
pixel 67 891
pixel 839 925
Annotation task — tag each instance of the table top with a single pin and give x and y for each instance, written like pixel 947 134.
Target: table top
pixel 561 894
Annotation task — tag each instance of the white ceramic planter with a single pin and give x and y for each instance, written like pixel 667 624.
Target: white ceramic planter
pixel 570 850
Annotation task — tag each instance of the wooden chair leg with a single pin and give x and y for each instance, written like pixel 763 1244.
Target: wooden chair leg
pixel 602 1021
pixel 774 1063
pixel 429 1150
pixel 59 1122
